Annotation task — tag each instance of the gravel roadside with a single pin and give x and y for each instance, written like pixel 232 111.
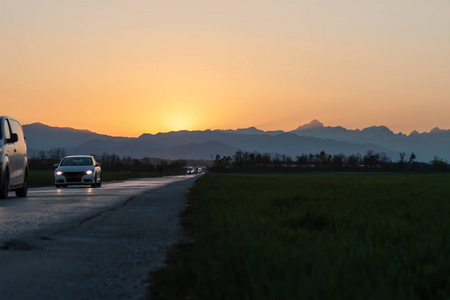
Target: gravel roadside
pixel 107 257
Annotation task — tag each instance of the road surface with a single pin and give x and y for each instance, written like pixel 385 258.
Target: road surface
pixel 86 243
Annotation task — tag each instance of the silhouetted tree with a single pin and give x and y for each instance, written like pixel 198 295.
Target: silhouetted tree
pixel 258 160
pixel 324 159
pixel 277 161
pixel 383 160
pixel 42 155
pixel 218 162
pixel 222 163
pixel 56 154
pixel 287 161
pixel 302 160
pixel 266 160
pixel 245 158
pixel 338 160
pixel 402 157
pixel 438 163
pixel 412 157
pixel 238 161
pixel 354 160
pixel 371 158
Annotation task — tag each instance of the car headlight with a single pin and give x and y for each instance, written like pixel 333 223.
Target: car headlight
pixel 59 172
pixel 89 172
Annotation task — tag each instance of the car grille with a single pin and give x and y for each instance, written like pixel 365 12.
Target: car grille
pixel 73 176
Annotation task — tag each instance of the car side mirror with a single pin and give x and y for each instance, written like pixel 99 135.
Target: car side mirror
pixel 55 165
pixel 14 138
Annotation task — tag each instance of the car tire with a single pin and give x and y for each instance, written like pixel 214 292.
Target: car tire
pixel 64 185
pixel 22 192
pixel 57 186
pixel 94 185
pixel 4 188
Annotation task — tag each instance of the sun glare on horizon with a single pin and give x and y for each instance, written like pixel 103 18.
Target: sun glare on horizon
pixel 179 121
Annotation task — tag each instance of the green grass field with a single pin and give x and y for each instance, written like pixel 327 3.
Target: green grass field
pixel 46 178
pixel 312 236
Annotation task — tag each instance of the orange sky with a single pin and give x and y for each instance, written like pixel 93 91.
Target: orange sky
pixel 133 67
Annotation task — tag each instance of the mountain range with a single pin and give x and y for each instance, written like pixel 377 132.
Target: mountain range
pixel 312 137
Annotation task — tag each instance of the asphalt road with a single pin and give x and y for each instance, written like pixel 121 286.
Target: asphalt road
pixel 85 243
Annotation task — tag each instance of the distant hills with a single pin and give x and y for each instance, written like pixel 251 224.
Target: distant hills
pixel 312 137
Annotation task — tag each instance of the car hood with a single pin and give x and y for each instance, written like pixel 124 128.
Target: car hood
pixel 74 168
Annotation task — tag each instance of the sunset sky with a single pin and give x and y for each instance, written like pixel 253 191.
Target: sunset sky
pixel 132 67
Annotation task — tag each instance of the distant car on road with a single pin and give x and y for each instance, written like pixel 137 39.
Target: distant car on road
pixel 13 158
pixel 190 170
pixel 78 170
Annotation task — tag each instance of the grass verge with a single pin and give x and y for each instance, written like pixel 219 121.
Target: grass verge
pixel 312 236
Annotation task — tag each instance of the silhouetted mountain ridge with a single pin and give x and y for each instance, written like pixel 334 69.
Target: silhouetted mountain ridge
pixel 312 137
pixel 313 124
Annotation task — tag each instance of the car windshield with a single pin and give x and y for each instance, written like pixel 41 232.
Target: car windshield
pixel 77 161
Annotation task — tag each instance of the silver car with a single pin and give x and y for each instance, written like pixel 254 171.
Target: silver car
pixel 78 170
pixel 13 158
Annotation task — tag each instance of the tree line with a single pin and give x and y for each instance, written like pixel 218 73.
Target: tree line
pixel 45 160
pixel 371 160
pixel 243 161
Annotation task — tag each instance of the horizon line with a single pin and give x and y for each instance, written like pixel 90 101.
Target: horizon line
pixel 235 130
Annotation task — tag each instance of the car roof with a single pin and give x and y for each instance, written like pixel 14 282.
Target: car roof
pixel 10 118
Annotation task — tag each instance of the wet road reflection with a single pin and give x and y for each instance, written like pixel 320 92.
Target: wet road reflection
pixel 49 209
